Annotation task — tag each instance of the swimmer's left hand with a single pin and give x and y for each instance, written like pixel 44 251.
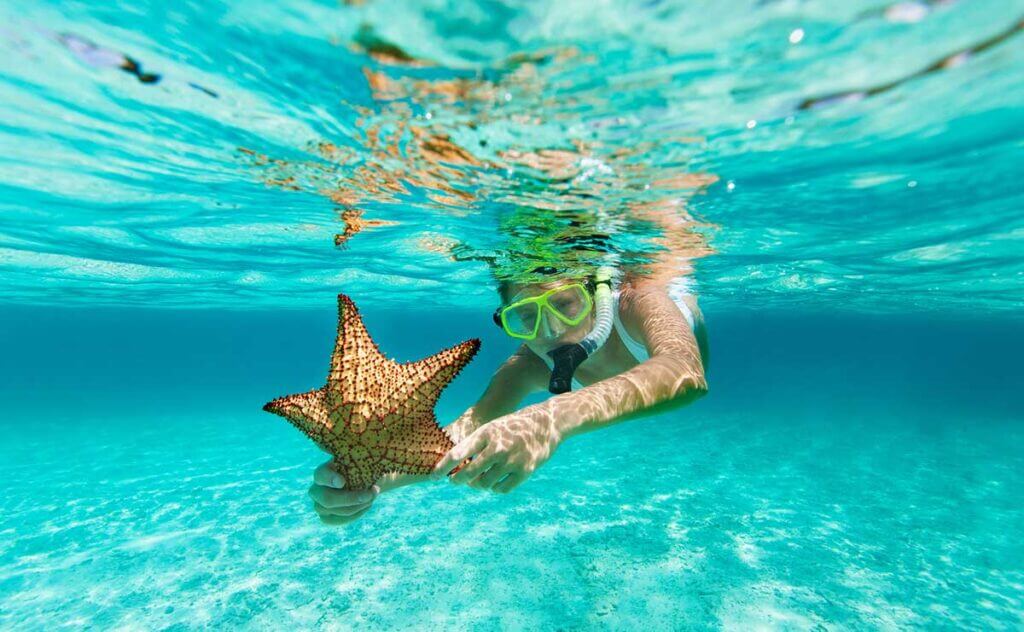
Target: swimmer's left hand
pixel 504 452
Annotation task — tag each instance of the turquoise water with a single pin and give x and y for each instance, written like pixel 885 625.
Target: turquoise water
pixel 173 232
pixel 816 487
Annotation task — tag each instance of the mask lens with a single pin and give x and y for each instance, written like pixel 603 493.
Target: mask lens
pixel 569 302
pixel 521 320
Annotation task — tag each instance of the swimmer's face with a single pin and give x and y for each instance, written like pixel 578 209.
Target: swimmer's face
pixel 552 332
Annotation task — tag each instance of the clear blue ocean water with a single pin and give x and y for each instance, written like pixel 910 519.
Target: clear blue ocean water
pixel 185 187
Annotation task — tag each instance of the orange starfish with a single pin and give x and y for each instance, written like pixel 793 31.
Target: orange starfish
pixel 375 415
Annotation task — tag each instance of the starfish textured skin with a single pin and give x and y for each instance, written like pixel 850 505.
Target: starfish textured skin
pixel 375 416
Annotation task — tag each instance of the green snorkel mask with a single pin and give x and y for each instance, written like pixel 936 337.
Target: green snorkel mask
pixel 521 318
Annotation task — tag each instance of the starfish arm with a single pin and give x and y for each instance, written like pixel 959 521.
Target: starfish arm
pixel 307 412
pixel 418 444
pixel 359 372
pixel 408 461
pixel 359 475
pixel 425 379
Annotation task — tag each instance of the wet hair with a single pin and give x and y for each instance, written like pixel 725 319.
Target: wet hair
pixel 505 285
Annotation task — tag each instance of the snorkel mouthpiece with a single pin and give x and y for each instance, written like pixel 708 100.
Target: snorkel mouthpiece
pixel 567 358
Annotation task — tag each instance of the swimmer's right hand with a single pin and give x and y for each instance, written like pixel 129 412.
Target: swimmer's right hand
pixel 335 505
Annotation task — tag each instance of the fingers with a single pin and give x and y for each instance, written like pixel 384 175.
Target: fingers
pixel 334 519
pixel 340 501
pixel 480 464
pixel 335 505
pixel 327 476
pixel 509 483
pixel 457 467
pixel 490 477
pixel 469 446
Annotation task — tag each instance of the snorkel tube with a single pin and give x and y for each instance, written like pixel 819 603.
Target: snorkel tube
pixel 567 358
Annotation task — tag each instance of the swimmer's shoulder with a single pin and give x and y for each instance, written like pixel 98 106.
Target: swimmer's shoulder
pixel 632 313
pixel 639 302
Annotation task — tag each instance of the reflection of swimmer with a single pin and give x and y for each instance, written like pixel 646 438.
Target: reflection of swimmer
pixel 100 57
pixel 610 353
pixel 949 61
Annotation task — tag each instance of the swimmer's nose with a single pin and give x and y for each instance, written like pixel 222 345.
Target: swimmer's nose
pixel 551 327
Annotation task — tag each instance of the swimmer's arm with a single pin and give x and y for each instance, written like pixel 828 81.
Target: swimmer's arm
pixel 506 452
pixel 523 373
pixel 672 377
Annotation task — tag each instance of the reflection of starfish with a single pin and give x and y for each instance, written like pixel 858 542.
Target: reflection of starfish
pixel 375 415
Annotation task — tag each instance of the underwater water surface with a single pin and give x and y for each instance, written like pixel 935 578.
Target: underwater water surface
pixel 185 187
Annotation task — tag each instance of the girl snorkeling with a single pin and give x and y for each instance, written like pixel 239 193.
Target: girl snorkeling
pixel 607 353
